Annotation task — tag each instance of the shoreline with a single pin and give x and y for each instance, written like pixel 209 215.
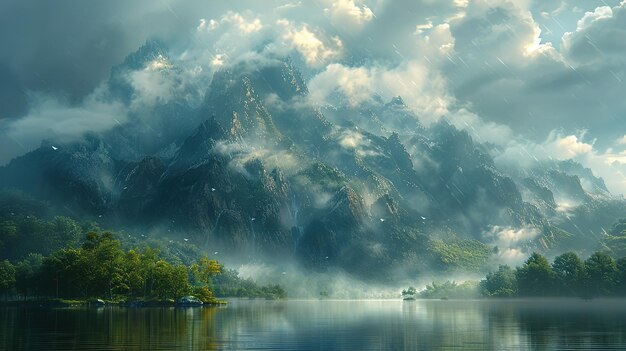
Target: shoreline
pixel 64 303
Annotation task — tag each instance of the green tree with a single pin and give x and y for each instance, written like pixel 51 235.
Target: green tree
pixel 31 236
pixel 8 232
pixel 138 271
pixel 621 284
pixel 64 232
pixel 410 292
pixel 274 292
pixel 170 282
pixel 570 273
pixel 601 274
pixel 134 276
pixel 204 294
pixel 27 273
pixel 450 289
pixel 501 283
pixel 149 258
pixel 204 270
pixel 535 277
pixel 63 274
pixel 103 260
pixel 228 283
pixel 7 277
pixel 21 235
pixel 436 291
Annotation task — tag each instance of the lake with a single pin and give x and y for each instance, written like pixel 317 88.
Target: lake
pixel 325 325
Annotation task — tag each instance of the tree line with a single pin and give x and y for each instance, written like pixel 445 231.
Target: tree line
pixel 600 275
pixel 568 275
pixel 101 268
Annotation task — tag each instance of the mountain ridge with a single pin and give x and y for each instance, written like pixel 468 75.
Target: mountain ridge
pixel 266 174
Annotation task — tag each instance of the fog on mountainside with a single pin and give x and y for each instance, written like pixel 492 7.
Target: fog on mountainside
pixel 254 165
pixel 253 169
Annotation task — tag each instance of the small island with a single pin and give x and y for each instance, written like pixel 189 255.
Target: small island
pixel 409 294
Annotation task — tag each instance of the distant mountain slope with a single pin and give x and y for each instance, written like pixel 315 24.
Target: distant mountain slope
pixel 264 173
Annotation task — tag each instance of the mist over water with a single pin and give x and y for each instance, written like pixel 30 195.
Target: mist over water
pixel 326 325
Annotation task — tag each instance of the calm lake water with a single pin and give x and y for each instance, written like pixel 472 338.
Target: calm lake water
pixel 325 325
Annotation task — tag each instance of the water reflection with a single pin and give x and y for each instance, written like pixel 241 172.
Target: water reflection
pixel 325 325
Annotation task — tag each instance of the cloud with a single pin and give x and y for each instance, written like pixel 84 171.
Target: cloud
pixel 54 120
pixel 438 41
pixel 513 243
pixel 351 140
pixel 423 90
pixel 357 142
pixel 66 49
pixel 355 84
pixel 348 13
pixel 482 131
pixel 566 147
pixel 162 80
pixel 207 25
pixel 420 28
pixel 226 40
pixel 590 17
pixel 235 19
pixel 240 153
pixel 511 256
pixel 608 164
pixel 315 51
pixel 598 38
pixel 218 60
pixel 510 72
pixel 503 69
pixel 152 85
pixel 508 236
pixel 245 26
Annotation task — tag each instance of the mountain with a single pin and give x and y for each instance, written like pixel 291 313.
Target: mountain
pixel 252 168
pixel 78 175
pixel 161 102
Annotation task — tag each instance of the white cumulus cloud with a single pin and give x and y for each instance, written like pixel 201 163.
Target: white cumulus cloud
pixel 347 12
pixel 313 49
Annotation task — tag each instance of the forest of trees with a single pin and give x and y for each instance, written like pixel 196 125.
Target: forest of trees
pixel 101 268
pixel 48 256
pixel 567 276
pixel 44 256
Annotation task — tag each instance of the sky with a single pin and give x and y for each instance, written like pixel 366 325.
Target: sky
pixel 536 78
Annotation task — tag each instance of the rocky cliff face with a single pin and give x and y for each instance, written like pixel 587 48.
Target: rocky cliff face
pixel 80 175
pixel 263 172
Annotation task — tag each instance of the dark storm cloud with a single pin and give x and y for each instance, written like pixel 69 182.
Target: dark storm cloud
pixel 13 99
pixel 67 47
pixel 542 70
pixel 510 76
pixel 599 38
pixel 64 47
